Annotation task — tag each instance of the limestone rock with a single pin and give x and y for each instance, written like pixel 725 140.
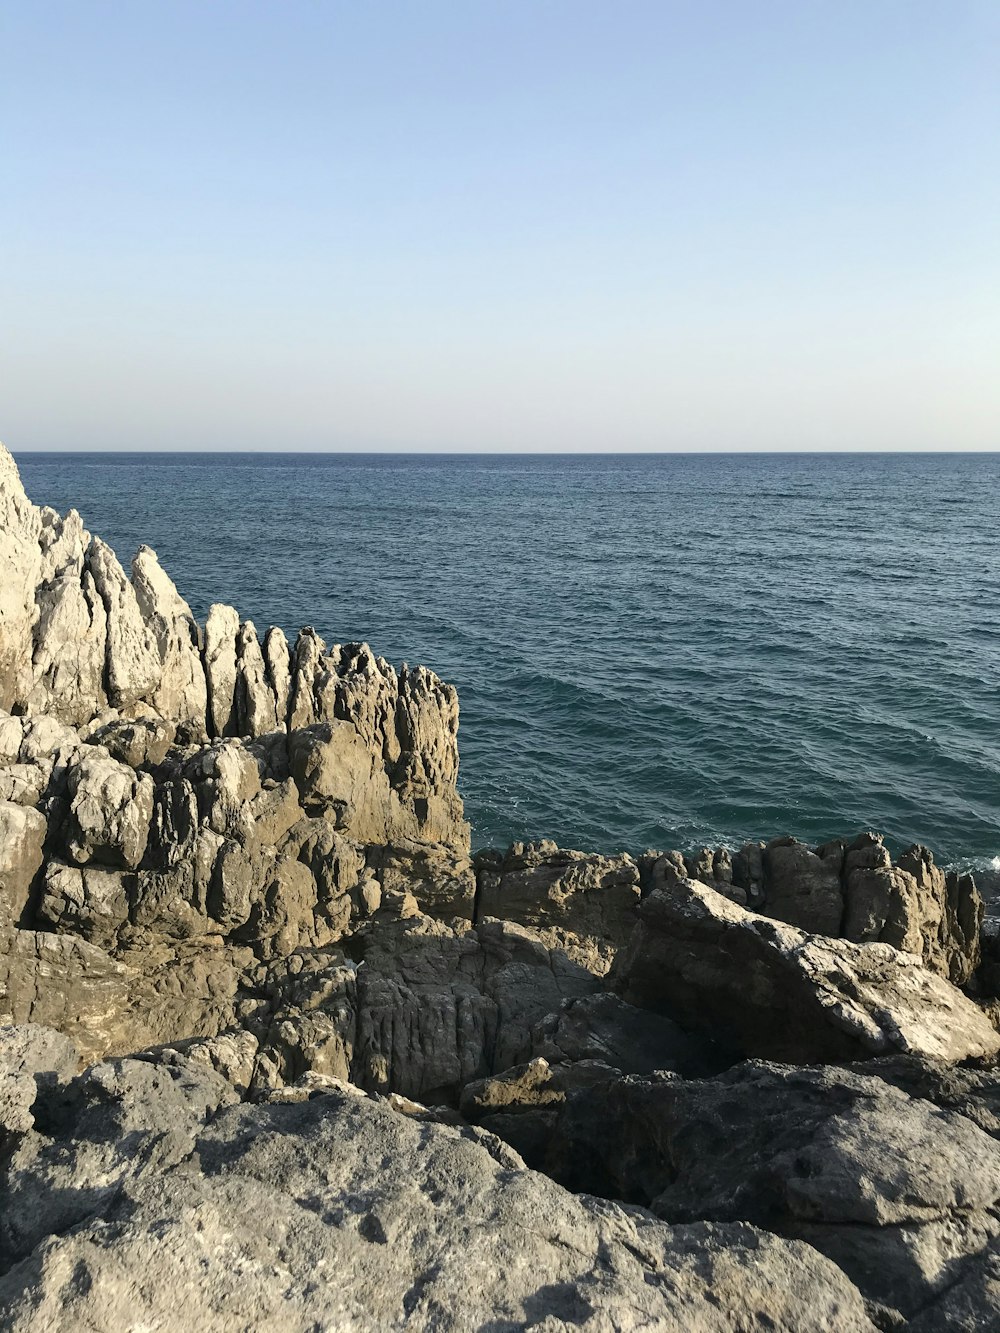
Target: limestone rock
pixel 139 742
pixel 441 879
pixel 20 569
pixel 256 704
pixel 70 633
pixel 133 659
pixel 539 885
pixel 22 837
pixel 180 694
pixel 803 887
pixel 899 1193
pixel 603 1027
pixel 87 901
pixel 774 991
pixel 416 1224
pixel 32 1059
pixel 221 629
pixel 63 982
pixel 109 812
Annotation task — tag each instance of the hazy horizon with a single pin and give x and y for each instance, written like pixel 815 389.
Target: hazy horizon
pixel 566 228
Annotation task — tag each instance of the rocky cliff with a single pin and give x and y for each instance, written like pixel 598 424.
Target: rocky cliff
pixel 281 1053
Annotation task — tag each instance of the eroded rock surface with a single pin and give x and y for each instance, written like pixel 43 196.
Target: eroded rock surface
pixel 338 1212
pixel 774 991
pixel 849 890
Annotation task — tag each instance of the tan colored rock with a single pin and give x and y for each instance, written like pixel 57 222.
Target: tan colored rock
pixel 22 836
pixel 63 982
pixel 109 813
pixel 221 629
pixel 540 885
pixel 181 693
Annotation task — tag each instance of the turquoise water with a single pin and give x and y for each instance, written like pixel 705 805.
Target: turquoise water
pixel 654 651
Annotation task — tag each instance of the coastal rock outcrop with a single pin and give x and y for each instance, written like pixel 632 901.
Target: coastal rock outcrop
pixel 900 1192
pixel 565 894
pixel 774 991
pixel 849 890
pixel 337 1210
pixel 280 1050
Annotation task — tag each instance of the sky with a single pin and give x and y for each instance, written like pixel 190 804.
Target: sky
pixel 516 225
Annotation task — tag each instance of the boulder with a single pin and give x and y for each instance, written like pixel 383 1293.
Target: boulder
pixel 773 991
pixel 33 1060
pixel 132 664
pixel 848 890
pixel 901 1194
pixel 603 1027
pixel 221 629
pixel 180 694
pixel 542 886
pixel 62 982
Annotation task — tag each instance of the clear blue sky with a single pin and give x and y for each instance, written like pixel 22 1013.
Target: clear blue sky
pixel 555 224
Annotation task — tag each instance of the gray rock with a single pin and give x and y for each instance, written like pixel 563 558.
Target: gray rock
pixel 33 1059
pixel 133 660
pixel 86 901
pixel 221 629
pixel 899 1193
pixel 774 991
pixel 634 1041
pixel 417 1225
pixel 180 694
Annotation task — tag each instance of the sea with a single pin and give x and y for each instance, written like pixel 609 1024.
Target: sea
pixel 651 651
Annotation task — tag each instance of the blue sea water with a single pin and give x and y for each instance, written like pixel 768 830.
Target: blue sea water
pixel 650 651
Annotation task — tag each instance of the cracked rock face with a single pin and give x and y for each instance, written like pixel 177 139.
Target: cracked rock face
pixel 338 1211
pixel 852 891
pixel 774 991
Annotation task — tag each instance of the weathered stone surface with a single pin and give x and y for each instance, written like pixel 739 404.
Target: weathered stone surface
pixel 846 890
pixel 802 887
pixel 133 661
pixel 139 742
pixel 634 1041
pixel 899 1193
pixel 22 836
pixel 20 570
pixel 441 879
pixel 110 807
pixel 540 885
pixel 221 629
pixel 971 1304
pixel 417 1224
pixel 63 982
pixel 773 991
pixel 70 633
pixel 32 1059
pixel 180 694
pixel 87 901
pixel 256 704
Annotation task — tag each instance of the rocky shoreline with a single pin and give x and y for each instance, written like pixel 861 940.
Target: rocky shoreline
pixel 281 1053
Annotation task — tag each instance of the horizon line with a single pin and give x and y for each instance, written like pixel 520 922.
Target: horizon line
pixel 506 453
